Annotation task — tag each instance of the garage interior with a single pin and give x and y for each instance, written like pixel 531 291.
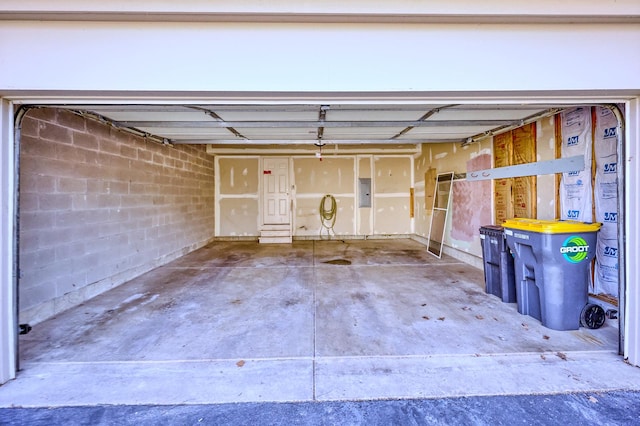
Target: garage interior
pixel 184 242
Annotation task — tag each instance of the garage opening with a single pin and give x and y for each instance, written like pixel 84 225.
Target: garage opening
pixel 187 234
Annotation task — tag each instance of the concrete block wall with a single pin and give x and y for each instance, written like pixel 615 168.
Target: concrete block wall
pixel 99 206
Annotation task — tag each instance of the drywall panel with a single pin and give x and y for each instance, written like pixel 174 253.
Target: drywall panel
pixel 238 175
pixel 451 156
pixel 239 217
pixel 424 196
pixel 332 175
pixel 345 224
pixel 364 166
pixel 392 215
pixel 307 217
pixel 237 196
pixel 392 181
pixel 392 175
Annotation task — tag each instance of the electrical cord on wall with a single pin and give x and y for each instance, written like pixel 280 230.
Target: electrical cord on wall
pixel 328 215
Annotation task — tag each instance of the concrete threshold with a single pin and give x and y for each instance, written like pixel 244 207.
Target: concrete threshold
pixel 322 379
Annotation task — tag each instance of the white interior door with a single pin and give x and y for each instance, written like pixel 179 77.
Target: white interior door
pixel 275 191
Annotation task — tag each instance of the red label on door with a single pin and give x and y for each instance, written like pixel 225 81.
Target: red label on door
pixel 267 172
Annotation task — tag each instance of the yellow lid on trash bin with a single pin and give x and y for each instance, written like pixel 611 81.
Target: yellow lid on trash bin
pixel 551 226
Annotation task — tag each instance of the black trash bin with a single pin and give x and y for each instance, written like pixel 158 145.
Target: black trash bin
pixel 499 273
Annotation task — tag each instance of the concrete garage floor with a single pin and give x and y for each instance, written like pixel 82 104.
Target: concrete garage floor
pixel 243 322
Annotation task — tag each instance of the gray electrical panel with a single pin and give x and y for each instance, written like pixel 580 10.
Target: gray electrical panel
pixel 364 191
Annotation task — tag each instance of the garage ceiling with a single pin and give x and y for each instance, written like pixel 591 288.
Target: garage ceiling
pixel 331 124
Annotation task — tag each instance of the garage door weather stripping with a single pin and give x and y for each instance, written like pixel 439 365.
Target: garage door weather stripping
pixel 575 249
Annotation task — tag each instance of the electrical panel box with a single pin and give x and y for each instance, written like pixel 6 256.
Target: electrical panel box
pixel 364 192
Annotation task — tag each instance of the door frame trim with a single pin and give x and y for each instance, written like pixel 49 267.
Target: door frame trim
pixel 261 195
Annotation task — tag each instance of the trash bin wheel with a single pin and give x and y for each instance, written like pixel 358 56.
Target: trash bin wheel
pixel 592 316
